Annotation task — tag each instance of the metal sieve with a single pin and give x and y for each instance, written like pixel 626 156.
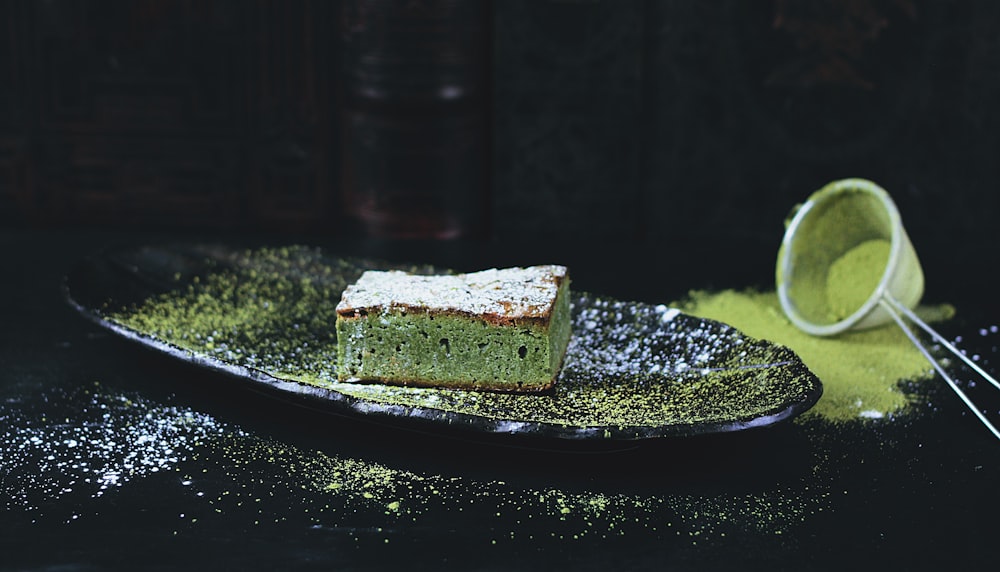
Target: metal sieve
pixel 835 220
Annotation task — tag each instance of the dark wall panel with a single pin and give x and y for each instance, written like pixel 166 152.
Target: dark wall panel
pixel 636 120
pixel 568 118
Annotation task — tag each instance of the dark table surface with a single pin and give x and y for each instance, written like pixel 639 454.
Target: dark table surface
pixel 116 457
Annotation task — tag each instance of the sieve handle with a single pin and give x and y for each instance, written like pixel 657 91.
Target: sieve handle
pixel 894 308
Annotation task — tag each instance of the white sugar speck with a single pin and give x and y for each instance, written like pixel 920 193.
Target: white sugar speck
pixel 667 314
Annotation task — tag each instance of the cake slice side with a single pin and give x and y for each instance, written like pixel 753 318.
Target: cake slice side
pixel 501 330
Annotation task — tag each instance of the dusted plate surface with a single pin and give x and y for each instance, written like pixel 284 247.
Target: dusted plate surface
pixel 266 315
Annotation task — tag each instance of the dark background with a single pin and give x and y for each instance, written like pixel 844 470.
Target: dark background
pixel 652 146
pixel 639 121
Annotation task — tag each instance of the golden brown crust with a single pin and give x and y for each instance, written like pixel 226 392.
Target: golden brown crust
pixel 491 318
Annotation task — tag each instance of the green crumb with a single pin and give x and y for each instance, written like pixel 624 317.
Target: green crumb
pixel 861 371
pixel 853 277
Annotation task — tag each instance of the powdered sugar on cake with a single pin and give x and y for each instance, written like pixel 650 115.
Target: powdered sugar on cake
pixel 508 292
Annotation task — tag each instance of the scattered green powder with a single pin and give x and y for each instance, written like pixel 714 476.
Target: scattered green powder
pixel 854 276
pixel 103 441
pixel 235 472
pixel 273 310
pixel 860 371
pixel 353 491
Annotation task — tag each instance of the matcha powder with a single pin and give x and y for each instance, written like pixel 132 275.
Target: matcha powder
pixel 861 371
pixel 854 277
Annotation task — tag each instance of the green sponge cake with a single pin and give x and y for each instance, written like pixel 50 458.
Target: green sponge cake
pixel 504 330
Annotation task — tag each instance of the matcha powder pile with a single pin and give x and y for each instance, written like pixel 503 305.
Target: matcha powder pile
pixel 860 371
pixel 850 281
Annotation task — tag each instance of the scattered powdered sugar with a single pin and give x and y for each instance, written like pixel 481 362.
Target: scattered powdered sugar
pixel 626 338
pixel 528 292
pixel 88 441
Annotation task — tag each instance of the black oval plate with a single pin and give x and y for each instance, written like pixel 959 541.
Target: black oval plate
pixel 632 370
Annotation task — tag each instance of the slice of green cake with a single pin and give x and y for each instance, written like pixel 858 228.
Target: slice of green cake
pixel 504 330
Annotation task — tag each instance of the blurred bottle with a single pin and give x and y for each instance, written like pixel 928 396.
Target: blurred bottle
pixel 416 117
